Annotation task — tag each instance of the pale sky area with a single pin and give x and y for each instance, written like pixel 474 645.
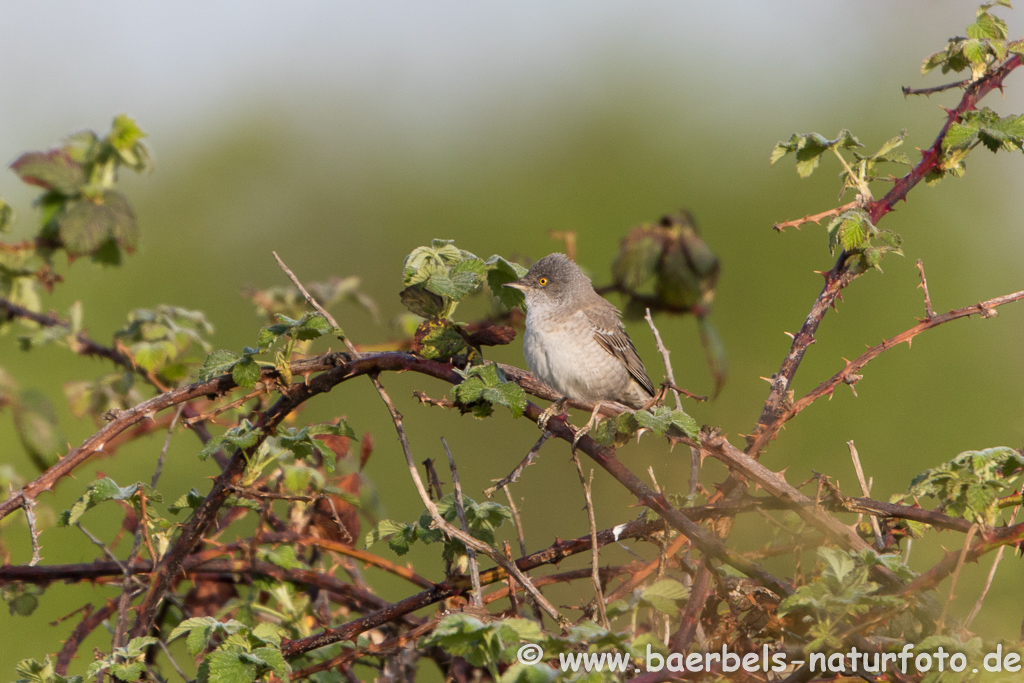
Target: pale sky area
pixel 73 65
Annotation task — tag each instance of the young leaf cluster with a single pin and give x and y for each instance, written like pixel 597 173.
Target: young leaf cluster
pixel 809 147
pixel 246 370
pixel 287 443
pixel 159 340
pixel 661 421
pixel 971 484
pixel 483 519
pixel 32 671
pixel 438 277
pixel 984 46
pixel 483 645
pixel 126 663
pixel 854 233
pixel 244 654
pixel 842 589
pixel 290 302
pixel 484 386
pixel 81 212
pixel 103 490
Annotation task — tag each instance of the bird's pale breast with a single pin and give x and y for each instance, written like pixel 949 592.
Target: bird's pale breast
pixel 562 351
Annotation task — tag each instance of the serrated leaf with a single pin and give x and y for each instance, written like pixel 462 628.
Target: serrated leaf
pixel 123 224
pixel 128 672
pixel 665 595
pixel 383 529
pixel 228 667
pixel 100 491
pixel 243 436
pixel 273 659
pixel 84 226
pixel 501 272
pixel 52 170
pixel 217 363
pixel 246 372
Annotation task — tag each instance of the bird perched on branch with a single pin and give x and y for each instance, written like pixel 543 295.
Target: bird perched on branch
pixel 575 340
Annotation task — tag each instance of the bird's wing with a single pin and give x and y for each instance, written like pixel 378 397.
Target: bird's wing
pixel 609 333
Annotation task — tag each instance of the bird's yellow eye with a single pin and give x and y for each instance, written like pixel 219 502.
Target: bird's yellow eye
pixel 542 282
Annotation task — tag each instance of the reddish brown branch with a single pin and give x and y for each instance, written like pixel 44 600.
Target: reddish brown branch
pixel 87 625
pixel 848 375
pixel 813 218
pixel 931 159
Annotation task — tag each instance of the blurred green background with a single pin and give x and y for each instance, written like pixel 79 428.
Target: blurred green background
pixel 343 135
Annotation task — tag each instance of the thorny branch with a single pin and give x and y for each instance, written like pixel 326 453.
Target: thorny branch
pixel 337 368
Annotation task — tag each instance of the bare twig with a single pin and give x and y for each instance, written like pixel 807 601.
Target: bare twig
pixel 460 510
pixel 514 475
pixel 849 374
pixel 664 357
pixel 433 481
pixel 907 90
pixel 440 522
pixel 866 490
pixel 929 311
pixel 595 557
pixel 316 305
pixel 814 218
pixel 517 522
pixel 30 517
pixel 88 624
pixel 991 576
pixel 167 444
pixel 170 658
pixel 956 576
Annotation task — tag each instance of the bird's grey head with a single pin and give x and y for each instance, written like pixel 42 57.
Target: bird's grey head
pixel 555 278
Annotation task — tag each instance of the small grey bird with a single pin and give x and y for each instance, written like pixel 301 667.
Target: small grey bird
pixel 575 340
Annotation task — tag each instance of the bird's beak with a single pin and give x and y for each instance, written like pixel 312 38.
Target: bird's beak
pixel 518 284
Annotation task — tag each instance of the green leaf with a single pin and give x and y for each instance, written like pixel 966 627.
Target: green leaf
pixel 283 556
pixel 103 490
pixel 124 133
pixel 488 385
pixel 128 672
pixel 201 629
pixel 6 216
pixel 246 372
pixel 32 671
pixel 382 530
pixel 35 420
pixel 838 562
pixel 665 595
pixel 124 227
pixel 274 660
pixel 500 272
pixel 421 301
pixel 188 501
pixel 241 437
pixel 217 363
pixel 84 226
pixel 52 170
pixel 229 667
pixel 959 136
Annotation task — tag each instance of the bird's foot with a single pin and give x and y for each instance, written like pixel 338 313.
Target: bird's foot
pixel 585 429
pixel 556 408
